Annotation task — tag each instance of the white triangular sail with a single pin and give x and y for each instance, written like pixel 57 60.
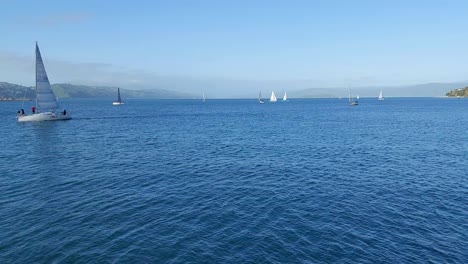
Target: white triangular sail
pixel 381 95
pixel 45 97
pixel 273 97
pixel 285 97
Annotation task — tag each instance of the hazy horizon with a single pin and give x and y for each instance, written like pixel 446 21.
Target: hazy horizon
pixel 230 49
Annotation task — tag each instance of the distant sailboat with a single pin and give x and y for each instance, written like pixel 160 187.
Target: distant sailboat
pixel 351 101
pixel 46 101
pixel 273 97
pixel 119 100
pixel 203 97
pixel 260 100
pixel 381 98
pixel 285 97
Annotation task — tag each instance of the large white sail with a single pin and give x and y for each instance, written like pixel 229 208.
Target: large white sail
pixel 273 97
pixel 45 97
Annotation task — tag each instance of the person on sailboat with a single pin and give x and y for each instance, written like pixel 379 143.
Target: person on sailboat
pixel 33 109
pixel 64 112
pixel 22 112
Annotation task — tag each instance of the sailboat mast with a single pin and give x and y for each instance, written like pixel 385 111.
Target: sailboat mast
pixel 349 98
pixel 35 68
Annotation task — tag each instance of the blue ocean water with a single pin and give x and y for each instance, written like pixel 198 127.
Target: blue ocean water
pixel 235 181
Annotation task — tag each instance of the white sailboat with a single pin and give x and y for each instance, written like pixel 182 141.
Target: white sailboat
pixel 119 100
pixel 46 102
pixel 381 98
pixel 273 97
pixel 260 100
pixel 203 97
pixel 352 102
pixel 285 97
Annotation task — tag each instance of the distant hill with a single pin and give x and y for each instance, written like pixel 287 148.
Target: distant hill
pixel 461 92
pixel 65 90
pixel 420 90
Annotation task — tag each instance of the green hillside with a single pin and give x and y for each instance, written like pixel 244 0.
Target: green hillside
pixel 65 90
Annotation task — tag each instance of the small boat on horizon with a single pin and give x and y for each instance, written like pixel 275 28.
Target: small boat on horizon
pixel 273 97
pixel 260 100
pixel 352 102
pixel 119 100
pixel 381 97
pixel 285 97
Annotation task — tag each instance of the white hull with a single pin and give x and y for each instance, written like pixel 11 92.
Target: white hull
pixel 118 103
pixel 48 116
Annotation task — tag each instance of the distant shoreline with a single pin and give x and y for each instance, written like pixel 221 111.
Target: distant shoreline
pixel 14 99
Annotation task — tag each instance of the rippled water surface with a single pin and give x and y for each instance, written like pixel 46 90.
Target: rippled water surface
pixel 234 181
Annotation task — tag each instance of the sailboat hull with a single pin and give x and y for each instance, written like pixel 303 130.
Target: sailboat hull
pixel 48 116
pixel 118 103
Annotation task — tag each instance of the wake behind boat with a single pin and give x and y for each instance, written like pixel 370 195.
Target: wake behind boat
pixel 119 100
pixel 46 101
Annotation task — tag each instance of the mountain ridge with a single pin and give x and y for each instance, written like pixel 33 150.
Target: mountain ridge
pixel 66 90
pixel 418 90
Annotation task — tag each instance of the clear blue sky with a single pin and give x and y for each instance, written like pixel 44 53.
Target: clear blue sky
pixel 327 43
